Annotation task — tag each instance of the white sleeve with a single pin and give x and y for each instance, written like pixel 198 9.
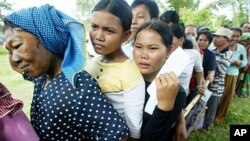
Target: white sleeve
pixel 198 62
pixel 133 109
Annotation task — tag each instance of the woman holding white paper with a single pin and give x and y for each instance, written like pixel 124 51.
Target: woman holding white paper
pixel 153 43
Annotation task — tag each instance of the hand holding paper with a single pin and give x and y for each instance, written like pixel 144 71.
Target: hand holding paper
pixel 176 63
pixel 167 85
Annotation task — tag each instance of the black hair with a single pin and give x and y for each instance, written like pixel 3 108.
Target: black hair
pixel 119 8
pixel 202 27
pixel 150 4
pixel 159 27
pixel 178 31
pixel 188 44
pixel 236 29
pixel 225 26
pixel 170 16
pixel 207 33
pixel 242 24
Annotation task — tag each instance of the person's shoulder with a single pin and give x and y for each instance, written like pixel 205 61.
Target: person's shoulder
pixel 130 74
pixel 193 52
pixel 210 53
pixel 93 61
pixel 84 77
pixel 182 90
pixel 130 69
pixel 240 47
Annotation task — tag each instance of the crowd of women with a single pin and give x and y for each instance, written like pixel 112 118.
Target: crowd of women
pixel 82 97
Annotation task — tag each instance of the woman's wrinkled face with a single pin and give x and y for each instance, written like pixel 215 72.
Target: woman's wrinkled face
pixel 202 41
pixel 26 53
pixel 150 53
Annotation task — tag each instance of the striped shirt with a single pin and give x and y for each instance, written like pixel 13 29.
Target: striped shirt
pixel 222 64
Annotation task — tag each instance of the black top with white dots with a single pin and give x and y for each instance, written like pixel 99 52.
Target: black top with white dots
pixel 61 112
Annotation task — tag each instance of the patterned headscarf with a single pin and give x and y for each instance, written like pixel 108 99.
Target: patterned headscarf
pixel 59 33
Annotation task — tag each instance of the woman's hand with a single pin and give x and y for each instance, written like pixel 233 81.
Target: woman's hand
pixel 236 63
pixel 181 130
pixel 201 88
pixel 167 88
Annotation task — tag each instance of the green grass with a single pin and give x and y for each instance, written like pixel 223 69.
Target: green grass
pixel 239 111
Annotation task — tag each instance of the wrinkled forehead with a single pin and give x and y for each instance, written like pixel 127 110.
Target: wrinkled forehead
pixel 11 34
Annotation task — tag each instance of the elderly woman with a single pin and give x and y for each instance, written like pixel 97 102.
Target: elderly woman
pixel 46 45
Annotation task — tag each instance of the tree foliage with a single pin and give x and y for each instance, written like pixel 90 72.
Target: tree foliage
pixel 178 5
pixel 4 6
pixel 201 17
pixel 191 14
pixel 189 10
pixel 84 7
pixel 238 7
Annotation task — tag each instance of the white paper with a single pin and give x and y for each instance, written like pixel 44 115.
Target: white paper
pixel 207 95
pixel 176 63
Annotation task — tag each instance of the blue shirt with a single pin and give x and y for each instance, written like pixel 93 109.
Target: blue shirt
pixel 240 51
pixel 209 62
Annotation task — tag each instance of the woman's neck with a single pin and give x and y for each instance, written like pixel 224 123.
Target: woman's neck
pixel 130 39
pixel 149 77
pixel 116 57
pixel 233 48
pixel 55 67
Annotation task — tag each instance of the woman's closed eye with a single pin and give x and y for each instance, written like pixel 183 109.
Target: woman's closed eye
pixel 153 48
pixel 93 26
pixel 17 46
pixel 137 46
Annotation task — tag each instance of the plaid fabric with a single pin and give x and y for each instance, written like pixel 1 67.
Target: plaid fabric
pixel 58 32
pixel 8 105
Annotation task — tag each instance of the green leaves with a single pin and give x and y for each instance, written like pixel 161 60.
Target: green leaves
pixel 4 6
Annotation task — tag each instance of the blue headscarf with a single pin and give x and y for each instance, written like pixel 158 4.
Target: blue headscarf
pixel 59 33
